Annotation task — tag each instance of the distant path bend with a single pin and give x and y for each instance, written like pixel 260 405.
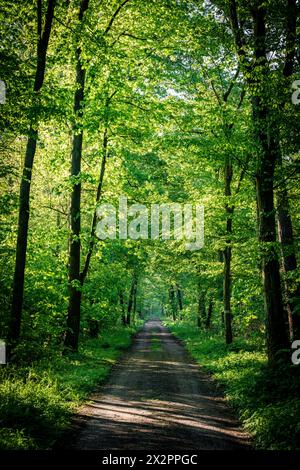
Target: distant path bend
pixel 158 399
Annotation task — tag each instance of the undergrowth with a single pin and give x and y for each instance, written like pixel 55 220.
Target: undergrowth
pixel 266 401
pixel 37 400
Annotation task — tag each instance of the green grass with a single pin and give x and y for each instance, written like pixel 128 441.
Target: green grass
pixel 267 402
pixel 156 344
pixel 37 402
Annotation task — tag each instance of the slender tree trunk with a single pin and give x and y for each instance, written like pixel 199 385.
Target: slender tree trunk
pixel 73 319
pixel 134 305
pixel 179 297
pixel 220 284
pixel 24 207
pixel 229 208
pixel 201 318
pixel 92 241
pixel 99 191
pixel 131 299
pixel 76 300
pixel 209 313
pixel 173 302
pixel 228 255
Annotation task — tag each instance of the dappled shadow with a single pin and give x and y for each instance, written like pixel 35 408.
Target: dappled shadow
pixel 158 399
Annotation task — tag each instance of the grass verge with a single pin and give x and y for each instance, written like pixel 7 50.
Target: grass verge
pixel 267 402
pixel 37 401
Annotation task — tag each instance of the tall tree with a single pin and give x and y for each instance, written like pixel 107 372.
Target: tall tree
pixel 228 173
pixel 43 36
pixel 285 225
pixel 179 297
pixel 131 301
pixel 258 76
pixel 73 319
pixel 173 303
pixel 201 309
pixel 76 276
pixel 227 128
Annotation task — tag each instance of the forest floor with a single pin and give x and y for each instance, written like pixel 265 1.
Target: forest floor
pixel 157 398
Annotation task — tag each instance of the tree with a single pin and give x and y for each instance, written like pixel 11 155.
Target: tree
pixel 257 72
pixel 43 35
pixel 73 319
pixel 132 299
pixel 285 225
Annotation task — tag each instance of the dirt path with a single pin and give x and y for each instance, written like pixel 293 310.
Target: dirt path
pixel 158 399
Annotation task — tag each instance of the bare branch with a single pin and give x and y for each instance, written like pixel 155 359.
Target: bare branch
pixel 55 210
pixel 216 93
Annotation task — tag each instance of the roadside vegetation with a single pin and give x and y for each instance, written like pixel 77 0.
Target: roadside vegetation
pixel 37 401
pixel 267 402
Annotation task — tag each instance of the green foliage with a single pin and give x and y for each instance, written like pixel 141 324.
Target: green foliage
pixel 157 106
pixel 37 401
pixel 266 401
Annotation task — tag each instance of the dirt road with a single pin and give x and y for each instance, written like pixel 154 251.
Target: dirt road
pixel 158 399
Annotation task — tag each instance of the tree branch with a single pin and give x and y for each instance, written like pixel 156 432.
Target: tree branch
pixel 114 16
pixel 228 92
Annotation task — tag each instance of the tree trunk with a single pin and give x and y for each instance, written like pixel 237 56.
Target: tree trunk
pixel 88 258
pixel 131 299
pixel 201 319
pixel 209 313
pixel 73 319
pixel 289 261
pixel 75 301
pixel 276 333
pixel 134 304
pixel 258 77
pixel 229 208
pixel 98 194
pixel 173 302
pixel 179 297
pixel 227 255
pixel 24 207
pixel 285 227
pixel 93 328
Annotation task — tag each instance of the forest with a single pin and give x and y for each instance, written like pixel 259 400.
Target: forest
pixel 185 107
